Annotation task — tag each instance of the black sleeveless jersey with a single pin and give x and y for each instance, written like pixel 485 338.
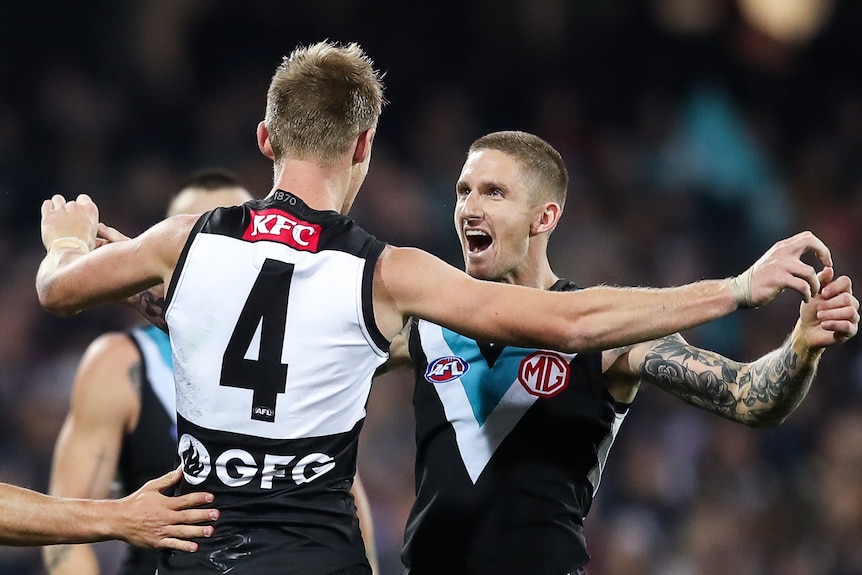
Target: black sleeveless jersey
pixel 274 345
pixel 510 447
pixel 151 449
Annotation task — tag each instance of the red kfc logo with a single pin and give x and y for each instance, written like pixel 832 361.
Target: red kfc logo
pixel 277 226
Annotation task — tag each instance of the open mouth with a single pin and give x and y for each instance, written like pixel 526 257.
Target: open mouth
pixel 477 241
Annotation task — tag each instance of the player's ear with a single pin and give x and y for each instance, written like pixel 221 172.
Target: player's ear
pixel 362 150
pixel 546 219
pixel 263 141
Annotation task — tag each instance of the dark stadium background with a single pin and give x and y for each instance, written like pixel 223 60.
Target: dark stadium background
pixel 695 137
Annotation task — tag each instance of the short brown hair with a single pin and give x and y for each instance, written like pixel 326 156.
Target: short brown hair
pixel 540 162
pixel 322 97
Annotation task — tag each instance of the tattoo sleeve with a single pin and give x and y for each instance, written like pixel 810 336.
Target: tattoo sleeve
pixel 151 305
pixel 760 393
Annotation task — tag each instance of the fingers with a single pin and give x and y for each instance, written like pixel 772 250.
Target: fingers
pixel 110 235
pixel 807 242
pixel 825 276
pixel 837 286
pixel 166 481
pixel 178 545
pixel 838 309
pixel 188 500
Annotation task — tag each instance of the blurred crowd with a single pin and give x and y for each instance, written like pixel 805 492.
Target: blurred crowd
pixel 695 138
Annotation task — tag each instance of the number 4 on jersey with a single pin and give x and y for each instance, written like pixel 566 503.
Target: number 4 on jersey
pixel 266 307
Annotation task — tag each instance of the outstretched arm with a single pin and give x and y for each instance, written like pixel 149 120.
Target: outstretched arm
pixel 759 393
pixel 146 518
pixel 410 282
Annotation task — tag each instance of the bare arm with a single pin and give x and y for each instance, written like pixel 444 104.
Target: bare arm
pixel 410 282
pixel 366 523
pixel 759 393
pixel 104 408
pixel 399 353
pixel 150 303
pixel 146 518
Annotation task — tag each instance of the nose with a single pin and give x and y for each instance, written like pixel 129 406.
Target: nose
pixel 471 206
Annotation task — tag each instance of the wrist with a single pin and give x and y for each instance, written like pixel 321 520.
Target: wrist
pixel 740 287
pixel 800 346
pixel 69 242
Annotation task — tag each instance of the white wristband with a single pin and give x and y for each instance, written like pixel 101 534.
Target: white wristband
pixel 69 242
pixel 740 287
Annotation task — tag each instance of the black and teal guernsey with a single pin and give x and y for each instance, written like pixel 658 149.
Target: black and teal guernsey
pixel 150 450
pixel 510 445
pixel 274 347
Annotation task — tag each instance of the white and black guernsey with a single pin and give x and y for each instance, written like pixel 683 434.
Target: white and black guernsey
pixel 510 443
pixel 150 450
pixel 274 346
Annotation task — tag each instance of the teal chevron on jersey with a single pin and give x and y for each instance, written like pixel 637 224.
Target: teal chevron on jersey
pixel 163 343
pixel 484 384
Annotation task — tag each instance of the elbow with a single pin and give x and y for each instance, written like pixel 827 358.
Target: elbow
pixel 52 300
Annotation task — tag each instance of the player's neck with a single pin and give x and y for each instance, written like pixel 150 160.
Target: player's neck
pixel 320 187
pixel 538 275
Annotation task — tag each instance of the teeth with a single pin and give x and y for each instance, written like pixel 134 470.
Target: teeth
pixel 474 233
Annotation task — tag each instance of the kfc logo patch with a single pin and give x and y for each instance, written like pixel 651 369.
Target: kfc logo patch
pixel 445 369
pixel 544 373
pixel 277 226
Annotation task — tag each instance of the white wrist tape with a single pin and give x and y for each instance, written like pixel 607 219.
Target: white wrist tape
pixel 69 242
pixel 740 287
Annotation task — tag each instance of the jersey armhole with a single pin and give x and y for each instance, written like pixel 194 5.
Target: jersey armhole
pixel 377 338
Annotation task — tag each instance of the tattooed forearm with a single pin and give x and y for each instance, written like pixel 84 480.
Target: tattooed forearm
pixel 696 376
pixel 780 381
pixel 761 393
pixel 152 306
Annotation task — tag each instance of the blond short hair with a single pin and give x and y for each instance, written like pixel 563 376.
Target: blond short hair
pixel 541 165
pixel 320 99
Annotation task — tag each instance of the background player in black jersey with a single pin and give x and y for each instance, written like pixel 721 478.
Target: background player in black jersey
pixel 237 269
pixel 122 418
pixel 510 452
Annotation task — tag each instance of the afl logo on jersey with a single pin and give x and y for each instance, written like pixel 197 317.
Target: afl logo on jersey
pixel 445 369
pixel 544 373
pixel 277 226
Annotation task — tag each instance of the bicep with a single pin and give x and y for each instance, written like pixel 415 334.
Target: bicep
pixel 418 284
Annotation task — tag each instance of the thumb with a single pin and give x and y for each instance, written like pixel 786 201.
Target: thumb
pixel 825 275
pixel 169 479
pixel 111 235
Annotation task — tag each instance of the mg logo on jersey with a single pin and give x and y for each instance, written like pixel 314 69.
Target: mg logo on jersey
pixel 544 373
pixel 446 369
pixel 276 226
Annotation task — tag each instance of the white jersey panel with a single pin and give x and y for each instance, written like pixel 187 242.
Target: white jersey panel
pixel 323 395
